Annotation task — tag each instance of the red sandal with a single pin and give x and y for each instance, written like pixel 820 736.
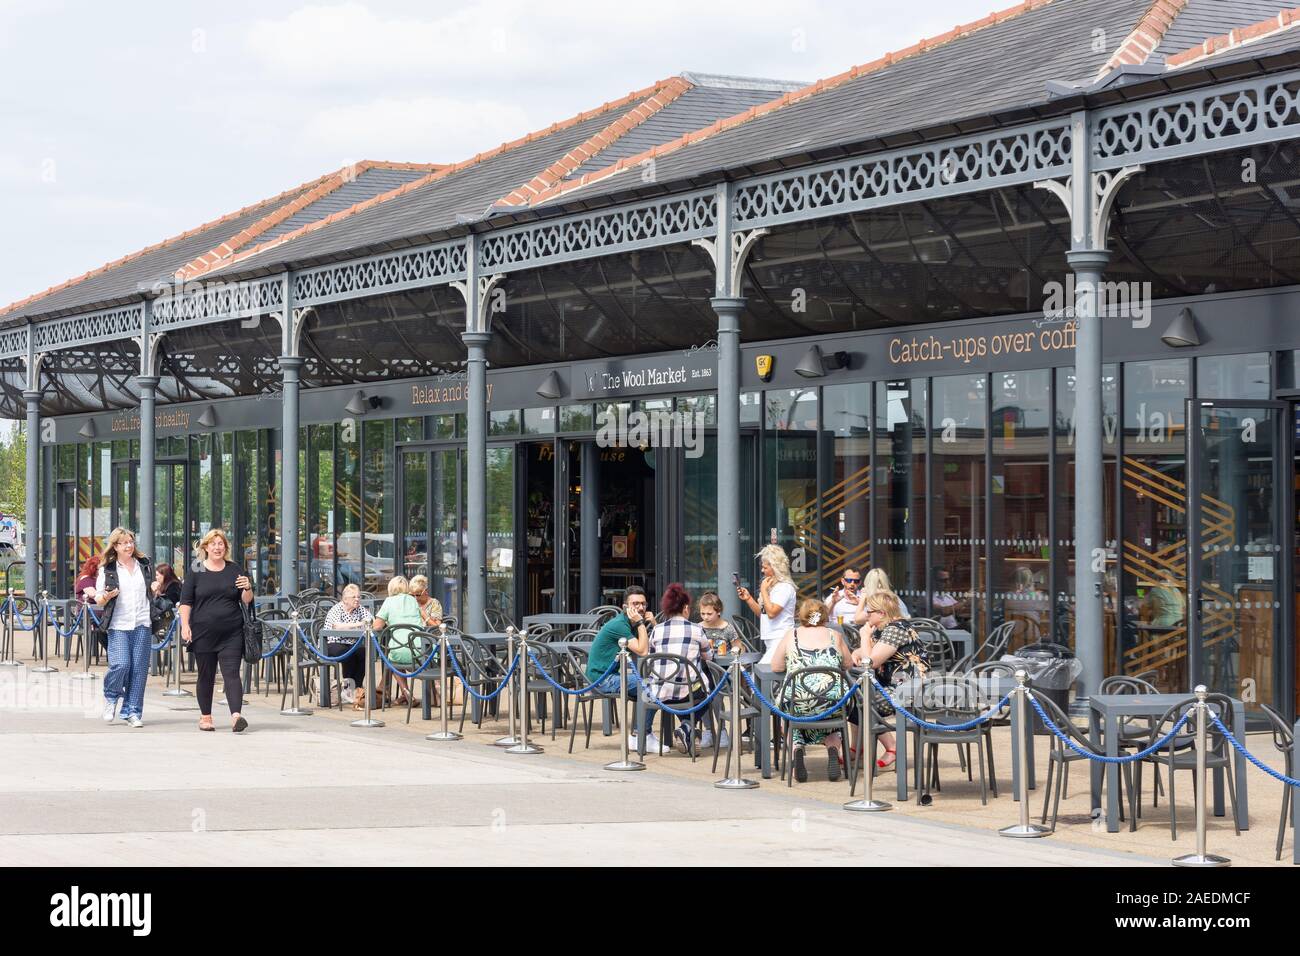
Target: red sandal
pixel 885 764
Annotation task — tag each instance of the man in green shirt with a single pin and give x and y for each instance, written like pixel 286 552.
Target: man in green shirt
pixel 604 648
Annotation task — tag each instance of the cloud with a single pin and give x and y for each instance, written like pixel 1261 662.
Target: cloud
pixel 415 129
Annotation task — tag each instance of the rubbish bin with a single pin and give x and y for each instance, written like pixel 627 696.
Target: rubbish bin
pixel 1052 670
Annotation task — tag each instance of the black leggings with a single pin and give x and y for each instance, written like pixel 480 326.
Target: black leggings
pixel 231 658
pixel 354 667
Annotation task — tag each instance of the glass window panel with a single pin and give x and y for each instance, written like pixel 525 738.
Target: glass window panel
pixel 347 504
pixel 446 560
pixel 790 463
pixel 415 527
pixel 845 505
pixel 576 418
pixel 501 557
pixel 1154 637
pixel 1233 376
pixel 706 405
pixel 1021 548
pixel 378 475
pixel 959 537
pixel 539 421
pixel 410 429
pixel 444 426
pixel 900 488
pixel 319 480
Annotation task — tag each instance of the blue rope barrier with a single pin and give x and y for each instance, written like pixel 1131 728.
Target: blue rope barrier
pixel 1066 739
pixel 167 638
pixel 72 628
pixel 560 687
pixel 794 718
pixel 36 619
pixel 389 664
pixel 505 680
pixel 929 725
pixel 1227 735
pixel 321 655
pixel 276 650
pixel 698 707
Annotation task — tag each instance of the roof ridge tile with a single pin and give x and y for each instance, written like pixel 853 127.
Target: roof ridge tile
pixel 1145 37
pixel 1285 19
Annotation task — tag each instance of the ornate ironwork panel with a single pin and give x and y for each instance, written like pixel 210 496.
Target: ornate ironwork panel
pixel 102 326
pixel 216 302
pixel 905 175
pixel 412 268
pixel 1191 124
pixel 13 342
pixel 658 223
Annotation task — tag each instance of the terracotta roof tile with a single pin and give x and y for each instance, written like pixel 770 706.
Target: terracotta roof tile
pixel 1145 37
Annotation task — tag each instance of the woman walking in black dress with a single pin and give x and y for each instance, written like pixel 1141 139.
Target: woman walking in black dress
pixel 212 623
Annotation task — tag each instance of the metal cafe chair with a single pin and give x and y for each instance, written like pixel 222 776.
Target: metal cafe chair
pixel 1180 754
pixel 748 634
pixel 939 647
pixel 584 704
pixel 992 647
pixel 952 699
pixel 483 674
pixel 604 613
pixel 820 696
pixel 656 670
pixel 1133 729
pixel 1283 740
pixel 497 620
pixel 1060 757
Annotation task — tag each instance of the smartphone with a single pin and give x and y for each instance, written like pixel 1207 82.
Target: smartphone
pixel 735 578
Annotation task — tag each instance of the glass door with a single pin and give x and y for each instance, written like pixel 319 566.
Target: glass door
pixel 172 544
pixel 431 489
pixel 125 509
pixel 1234 579
pixel 65 557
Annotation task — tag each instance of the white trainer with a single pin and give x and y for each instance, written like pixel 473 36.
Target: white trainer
pixel 110 712
pixel 135 721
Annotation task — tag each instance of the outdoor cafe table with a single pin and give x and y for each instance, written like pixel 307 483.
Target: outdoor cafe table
pixel 1104 714
pixel 992 689
pixel 567 621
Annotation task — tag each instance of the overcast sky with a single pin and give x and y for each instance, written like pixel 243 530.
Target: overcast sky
pixel 126 123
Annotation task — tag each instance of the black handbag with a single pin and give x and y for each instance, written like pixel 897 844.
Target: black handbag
pixel 252 634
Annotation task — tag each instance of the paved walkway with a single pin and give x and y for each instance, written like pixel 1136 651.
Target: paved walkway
pixel 312 791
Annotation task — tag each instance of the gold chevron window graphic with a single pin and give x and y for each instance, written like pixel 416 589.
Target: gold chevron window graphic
pixel 835 555
pixel 354 505
pixel 1168 565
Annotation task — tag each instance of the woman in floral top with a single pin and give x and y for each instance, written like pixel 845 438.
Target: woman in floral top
pixel 894 650
pixel 349 613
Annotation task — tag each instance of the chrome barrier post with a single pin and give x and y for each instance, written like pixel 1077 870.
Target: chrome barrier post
pixel 86 637
pixel 626 762
pixel 510 739
pixel 10 640
pixel 1200 857
pixel 178 690
pixel 444 733
pixel 367 635
pixel 737 779
pixel 1020 734
pixel 523 746
pixel 867 737
pixel 40 624
pixel 295 710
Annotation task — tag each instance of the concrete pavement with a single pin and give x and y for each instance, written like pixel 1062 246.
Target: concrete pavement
pixel 312 791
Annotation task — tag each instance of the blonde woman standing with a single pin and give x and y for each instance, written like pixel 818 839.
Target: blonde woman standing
pixel 875 582
pixel 212 623
pixel 776 599
pixel 122 593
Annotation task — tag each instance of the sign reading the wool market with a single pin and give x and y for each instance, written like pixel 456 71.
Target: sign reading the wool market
pixel 691 370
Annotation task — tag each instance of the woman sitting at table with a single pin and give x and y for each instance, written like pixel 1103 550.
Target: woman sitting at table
pixel 349 613
pixel 877 580
pixel 430 607
pixel 399 608
pixel 895 652
pixel 810 643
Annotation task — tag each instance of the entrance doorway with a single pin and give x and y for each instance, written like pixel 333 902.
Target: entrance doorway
pixel 172 544
pixel 431 496
pixel 1239 605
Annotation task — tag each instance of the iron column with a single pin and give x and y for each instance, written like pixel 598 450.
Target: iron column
pixel 148 384
pixel 728 311
pixel 289 367
pixel 32 544
pixel 589 504
pixel 476 471
pixel 1089 472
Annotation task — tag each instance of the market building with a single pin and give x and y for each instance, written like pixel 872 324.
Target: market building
pixel 1007 313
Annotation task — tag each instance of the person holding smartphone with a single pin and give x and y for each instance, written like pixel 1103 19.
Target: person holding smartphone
pixel 212 623
pixel 776 598
pixel 635 624
pixel 122 593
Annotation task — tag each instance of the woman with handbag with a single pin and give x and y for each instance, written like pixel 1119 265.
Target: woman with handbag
pixel 122 593
pixel 212 623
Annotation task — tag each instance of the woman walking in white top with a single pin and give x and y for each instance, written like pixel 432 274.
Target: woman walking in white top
pixel 122 593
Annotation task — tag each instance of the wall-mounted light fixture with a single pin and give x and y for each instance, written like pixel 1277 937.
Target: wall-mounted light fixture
pixel 1182 331
pixel 815 365
pixel 208 417
pixel 87 430
pixel 551 387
